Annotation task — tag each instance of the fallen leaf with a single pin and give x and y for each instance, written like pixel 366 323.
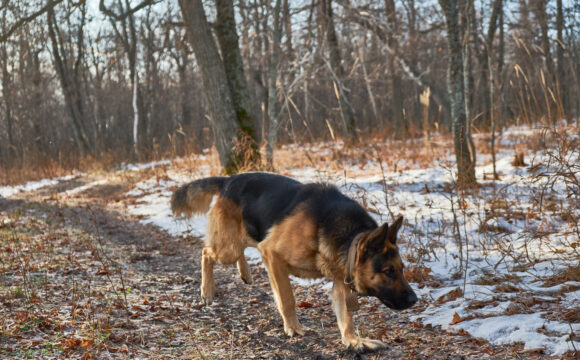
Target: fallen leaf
pixel 456 319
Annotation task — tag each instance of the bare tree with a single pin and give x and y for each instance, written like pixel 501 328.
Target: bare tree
pixel 6 33
pixel 560 80
pixel 327 38
pixel 69 67
pixel 217 95
pixel 123 24
pixel 465 165
pixel 227 35
pixel 272 78
pixel 396 97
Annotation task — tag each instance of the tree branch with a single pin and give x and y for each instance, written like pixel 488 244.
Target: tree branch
pixel 127 13
pixel 49 5
pixel 412 73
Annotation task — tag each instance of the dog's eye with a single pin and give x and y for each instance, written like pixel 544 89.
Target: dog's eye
pixel 390 272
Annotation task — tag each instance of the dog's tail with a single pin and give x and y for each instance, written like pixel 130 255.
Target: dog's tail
pixel 195 198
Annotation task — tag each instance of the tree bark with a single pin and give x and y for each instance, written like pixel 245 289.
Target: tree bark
pixel 272 78
pixel 216 90
pixel 396 97
pixel 69 79
pixel 560 78
pixel 465 166
pixel 540 13
pixel 288 31
pixel 469 35
pixel 327 36
pixel 234 69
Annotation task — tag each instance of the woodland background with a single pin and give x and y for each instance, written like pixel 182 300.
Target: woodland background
pixel 103 82
pixel 113 104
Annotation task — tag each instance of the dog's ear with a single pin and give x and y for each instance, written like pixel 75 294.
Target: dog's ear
pixel 375 240
pixel 382 231
pixel 393 230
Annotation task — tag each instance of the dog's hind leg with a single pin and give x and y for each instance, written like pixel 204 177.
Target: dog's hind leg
pixel 207 281
pixel 225 243
pixel 244 269
pixel 344 319
pixel 283 294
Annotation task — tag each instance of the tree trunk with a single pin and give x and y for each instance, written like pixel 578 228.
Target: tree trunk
pixel 469 35
pixel 500 70
pixel 215 83
pixel 7 88
pixel 540 13
pixel 70 84
pixel 485 58
pixel 327 34
pixel 135 103
pixel 288 31
pixel 560 78
pixel 272 77
pixel 232 60
pixel 362 58
pixel 465 166
pixel 396 97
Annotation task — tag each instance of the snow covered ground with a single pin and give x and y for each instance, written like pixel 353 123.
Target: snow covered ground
pixel 7 191
pixel 494 259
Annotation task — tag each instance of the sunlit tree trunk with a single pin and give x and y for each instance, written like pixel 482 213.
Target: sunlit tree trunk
pixel 560 77
pixel 465 165
pixel 272 78
pixel 232 60
pixel 217 95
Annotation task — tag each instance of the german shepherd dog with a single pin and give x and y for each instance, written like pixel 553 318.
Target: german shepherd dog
pixel 306 230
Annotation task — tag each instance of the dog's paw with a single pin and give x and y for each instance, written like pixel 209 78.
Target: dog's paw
pixel 360 344
pixel 297 329
pixel 207 296
pixel 244 270
pixel 247 278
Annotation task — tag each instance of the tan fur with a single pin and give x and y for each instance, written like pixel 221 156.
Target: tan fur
pixel 226 241
pixel 291 248
pixel 192 201
pixel 344 318
pixel 295 246
pixel 366 278
pixel 288 249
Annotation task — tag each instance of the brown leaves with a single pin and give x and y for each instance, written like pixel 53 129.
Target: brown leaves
pixel 74 343
pixel 452 295
pixel 305 304
pixel 417 274
pixel 457 319
pixel 102 272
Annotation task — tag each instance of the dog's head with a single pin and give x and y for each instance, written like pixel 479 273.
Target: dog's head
pixel 379 269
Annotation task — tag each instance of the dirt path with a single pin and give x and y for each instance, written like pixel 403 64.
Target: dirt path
pixel 82 279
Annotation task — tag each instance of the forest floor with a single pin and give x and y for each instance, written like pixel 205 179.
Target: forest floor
pixel 82 276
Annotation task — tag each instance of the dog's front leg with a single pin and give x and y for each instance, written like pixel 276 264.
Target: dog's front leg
pixel 283 294
pixel 344 319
